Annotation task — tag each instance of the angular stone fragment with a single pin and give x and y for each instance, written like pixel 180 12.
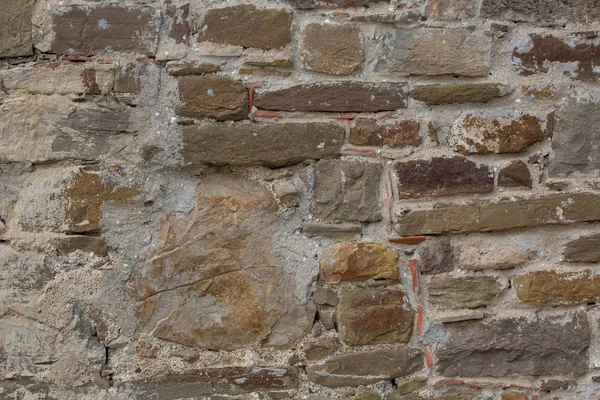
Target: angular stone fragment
pixel 332 49
pixel 505 214
pixel 552 345
pixel 247 26
pixel 347 96
pixel 450 9
pixel 474 134
pixel 105 30
pixel 483 252
pixel 463 291
pixel 217 97
pixel 546 11
pixel 550 49
pixel 584 249
pixel 436 257
pixel 366 367
pixel 558 287
pixel 515 174
pixel 436 51
pixel 90 244
pixel 307 4
pixel 347 190
pixel 214 281
pixel 358 261
pixel 15 28
pixel 374 316
pixel 576 139
pixel 442 176
pixel 459 93
pixel 321 349
pixel 275 145
pixel 325 297
pixel 207 381
pixel 396 134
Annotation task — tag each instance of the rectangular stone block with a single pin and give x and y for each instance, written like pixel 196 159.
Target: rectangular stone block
pixel 308 4
pixel 347 190
pixel 501 215
pixel 396 134
pixel 105 30
pixel 558 287
pixel 463 291
pixel 545 11
pixel 459 93
pixel 15 28
pixel 332 49
pixel 553 345
pixel 251 144
pixel 583 249
pixel 217 97
pixel 450 10
pixel 347 96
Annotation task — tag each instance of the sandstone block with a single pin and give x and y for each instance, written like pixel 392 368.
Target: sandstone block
pixel 501 215
pixel 558 287
pixel 325 297
pixel 347 190
pixel 216 97
pixel 464 291
pixel 436 256
pixel 15 28
pixel 352 261
pixel 545 11
pixel 366 367
pixel 583 249
pixel 247 26
pixel 274 145
pixel 553 345
pixel 105 30
pixel 396 134
pixel 442 176
pixel 374 316
pixel 321 349
pixel 515 174
pixel 459 93
pixel 576 136
pixel 483 252
pixel 474 134
pixel 550 49
pixel 336 97
pixel 332 49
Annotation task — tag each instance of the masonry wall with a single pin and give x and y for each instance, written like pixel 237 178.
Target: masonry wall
pixel 299 199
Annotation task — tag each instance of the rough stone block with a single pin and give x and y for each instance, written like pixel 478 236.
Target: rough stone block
pixel 459 93
pixel 583 249
pixel 395 134
pixel 545 11
pixel 217 97
pixel 436 256
pixel 15 28
pixel 357 261
pixel 347 190
pixel 558 287
pixel 515 174
pixel 463 291
pixel 332 49
pixel 450 10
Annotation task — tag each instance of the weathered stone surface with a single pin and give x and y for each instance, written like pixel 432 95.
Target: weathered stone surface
pixel 583 249
pixel 514 396
pixel 442 176
pixel 15 28
pixel 501 215
pixel 558 287
pixel 517 346
pixel 100 121
pixel 365 367
pixel 374 316
pixel 193 68
pixel 325 297
pixel 463 291
pixel 436 256
pixel 575 140
pixel 214 282
pixel 449 10
pixel 337 97
pixel 546 11
pixel 459 93
pixel 307 4
pixel 321 349
pixel 347 190
pixel 556 384
pixel 90 244
pixel 332 49
pixel 474 134
pixel 104 30
pixel 334 230
pixel 436 51
pixel 247 26
pixel 273 145
pixel 358 261
pixel 22 273
pixel 128 79
pixel 226 380
pixel 217 97
pixel 550 49
pixel 397 134
pixel 483 252
pixel 515 174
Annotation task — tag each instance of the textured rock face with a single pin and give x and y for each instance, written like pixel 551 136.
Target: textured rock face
pixel 15 34
pixel 336 50
pixel 436 257
pixel 463 292
pixel 214 283
pixel 397 134
pixel 545 11
pixel 558 288
pixel 583 249
pixel 216 97
pixel 358 261
pixel 517 346
pixel 464 93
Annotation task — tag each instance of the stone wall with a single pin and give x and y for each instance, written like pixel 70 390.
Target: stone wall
pixel 299 199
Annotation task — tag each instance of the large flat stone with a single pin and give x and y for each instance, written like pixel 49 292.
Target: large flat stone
pixel 501 215
pixel 15 28
pixel 345 96
pixel 516 347
pixel 463 291
pixel 558 287
pixel 274 145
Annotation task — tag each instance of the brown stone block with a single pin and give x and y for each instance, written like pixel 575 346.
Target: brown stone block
pixel 558 287
pixel 217 97
pixel 332 49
